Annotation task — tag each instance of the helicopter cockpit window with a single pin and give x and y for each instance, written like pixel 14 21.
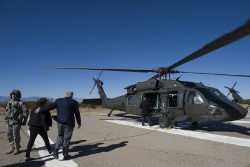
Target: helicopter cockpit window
pixel 194 98
pixel 218 93
pixel 211 94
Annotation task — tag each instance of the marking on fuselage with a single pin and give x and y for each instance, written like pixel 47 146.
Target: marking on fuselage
pixel 200 135
pixel 47 158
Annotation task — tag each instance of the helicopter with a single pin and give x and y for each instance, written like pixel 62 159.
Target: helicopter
pixel 236 97
pixel 175 101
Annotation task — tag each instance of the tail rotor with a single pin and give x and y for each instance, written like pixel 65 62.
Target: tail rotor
pixel 95 82
pixel 231 89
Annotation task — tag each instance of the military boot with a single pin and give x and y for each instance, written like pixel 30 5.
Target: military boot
pixel 16 151
pixel 10 151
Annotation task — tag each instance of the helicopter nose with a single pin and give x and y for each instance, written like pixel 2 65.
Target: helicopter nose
pixel 244 112
pixel 236 112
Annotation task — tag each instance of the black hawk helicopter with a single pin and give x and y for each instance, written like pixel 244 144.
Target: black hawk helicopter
pixel 177 101
pixel 236 97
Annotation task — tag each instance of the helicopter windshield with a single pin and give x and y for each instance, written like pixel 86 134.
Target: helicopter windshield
pixel 194 98
pixel 211 94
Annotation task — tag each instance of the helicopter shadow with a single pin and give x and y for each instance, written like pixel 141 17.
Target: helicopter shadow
pixel 85 150
pixel 135 118
pixel 208 127
pixel 122 116
pixel 216 127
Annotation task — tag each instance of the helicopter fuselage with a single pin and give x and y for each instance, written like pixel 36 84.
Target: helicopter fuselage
pixel 176 101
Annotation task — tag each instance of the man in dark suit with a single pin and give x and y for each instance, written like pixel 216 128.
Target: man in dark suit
pixel 146 107
pixel 67 111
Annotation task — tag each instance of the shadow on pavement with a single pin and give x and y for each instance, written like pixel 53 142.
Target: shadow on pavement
pixel 85 150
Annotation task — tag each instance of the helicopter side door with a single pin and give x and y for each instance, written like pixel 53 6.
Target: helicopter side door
pixel 175 105
pixel 195 105
pixel 133 104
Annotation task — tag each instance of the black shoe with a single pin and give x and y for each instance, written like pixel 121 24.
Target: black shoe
pixel 55 155
pixel 28 159
pixel 143 125
pixel 67 157
pixel 51 150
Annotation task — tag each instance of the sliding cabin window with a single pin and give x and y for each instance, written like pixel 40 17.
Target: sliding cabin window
pixel 134 100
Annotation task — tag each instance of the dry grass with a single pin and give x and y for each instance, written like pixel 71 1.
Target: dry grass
pixel 244 105
pixel 2 110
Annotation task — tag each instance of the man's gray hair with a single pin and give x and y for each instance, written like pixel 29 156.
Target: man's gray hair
pixel 69 94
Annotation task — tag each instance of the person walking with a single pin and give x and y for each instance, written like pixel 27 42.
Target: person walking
pixel 67 112
pixel 145 107
pixel 16 115
pixel 39 124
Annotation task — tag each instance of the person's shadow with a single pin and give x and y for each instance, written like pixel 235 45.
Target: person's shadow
pixel 76 142
pixel 84 150
pixel 25 164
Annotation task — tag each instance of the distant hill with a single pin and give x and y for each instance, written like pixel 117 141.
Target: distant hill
pixel 7 98
pixel 4 98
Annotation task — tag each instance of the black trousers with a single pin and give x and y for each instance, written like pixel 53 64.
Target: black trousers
pixel 34 131
pixel 148 119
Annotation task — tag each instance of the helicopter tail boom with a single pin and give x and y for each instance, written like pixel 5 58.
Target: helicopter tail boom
pixel 101 92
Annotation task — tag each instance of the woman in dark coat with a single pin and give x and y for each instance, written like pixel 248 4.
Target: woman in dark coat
pixel 145 107
pixel 39 124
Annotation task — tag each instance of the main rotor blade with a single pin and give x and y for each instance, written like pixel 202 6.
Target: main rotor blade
pixel 233 75
pixel 226 39
pixel 102 69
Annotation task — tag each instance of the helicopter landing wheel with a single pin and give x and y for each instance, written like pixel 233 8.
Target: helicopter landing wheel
pixel 164 122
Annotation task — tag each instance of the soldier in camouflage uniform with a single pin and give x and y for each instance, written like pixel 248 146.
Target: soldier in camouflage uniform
pixel 16 115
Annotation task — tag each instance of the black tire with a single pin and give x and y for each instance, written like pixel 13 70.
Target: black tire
pixel 163 122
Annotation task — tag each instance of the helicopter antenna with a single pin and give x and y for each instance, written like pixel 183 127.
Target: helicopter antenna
pixel 177 79
pixel 95 83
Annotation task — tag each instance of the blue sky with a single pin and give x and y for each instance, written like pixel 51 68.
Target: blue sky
pixel 137 34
